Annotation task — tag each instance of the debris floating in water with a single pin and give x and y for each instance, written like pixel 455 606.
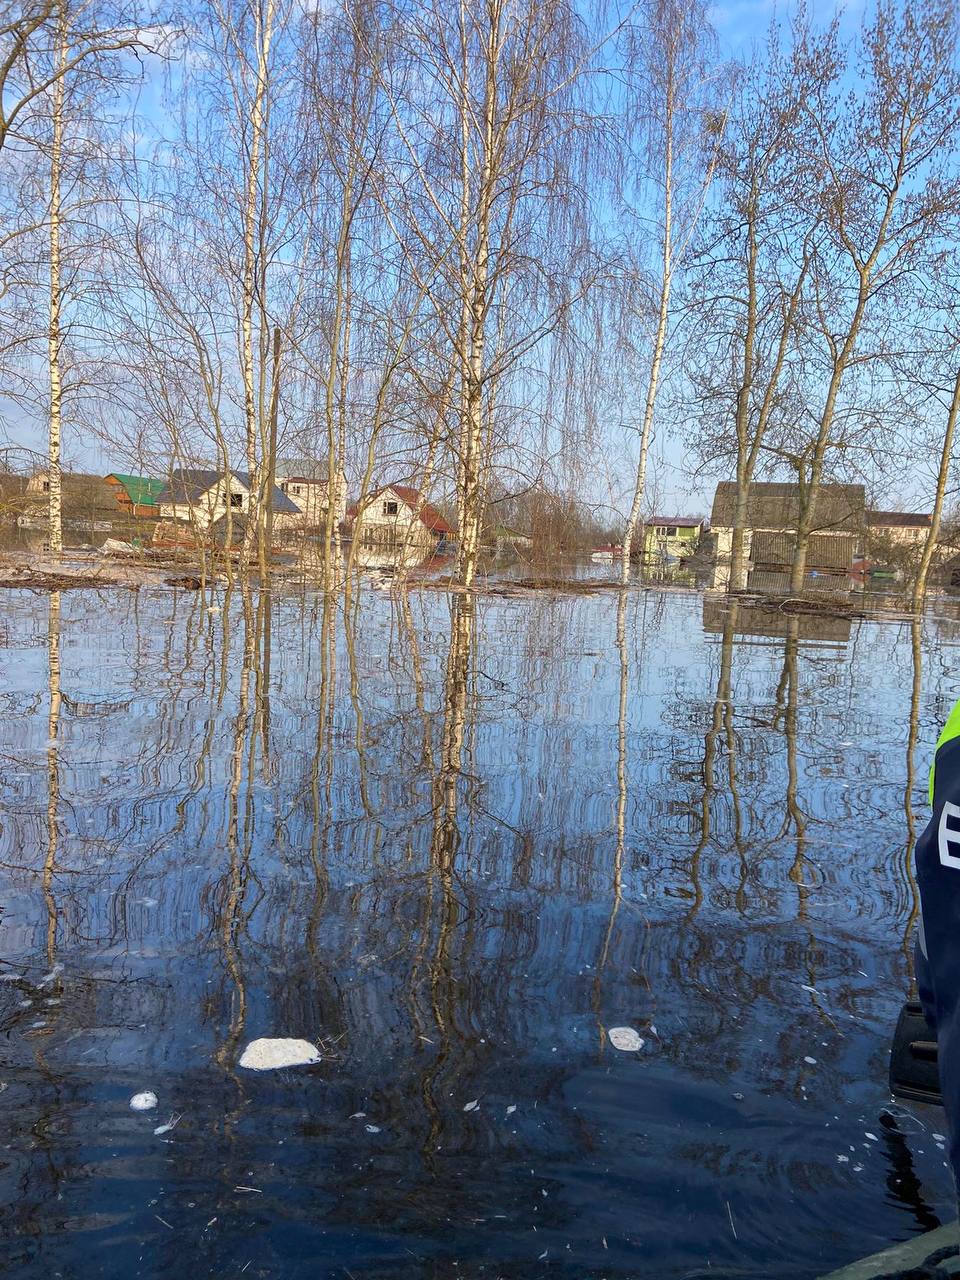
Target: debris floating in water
pixel 811 1062
pixel 372 1128
pixel 165 1128
pixel 511 1109
pixel 625 1039
pixel 145 1101
pixel 473 1106
pixel 271 1055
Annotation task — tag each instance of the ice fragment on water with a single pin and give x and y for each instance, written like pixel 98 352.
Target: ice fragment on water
pixel 358 1115
pixel 270 1054
pixel 812 1062
pixel 473 1106
pixel 625 1039
pixel 171 1124
pixel 871 1136
pixel 511 1109
pixel 145 1101
pixel 372 1128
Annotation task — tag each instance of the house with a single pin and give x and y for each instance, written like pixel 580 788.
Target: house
pixel 903 528
pixel 309 494
pixel 838 511
pixel 86 501
pixel 671 537
pixel 136 495
pixel 770 534
pixel 606 554
pixel 397 516
pixel 201 497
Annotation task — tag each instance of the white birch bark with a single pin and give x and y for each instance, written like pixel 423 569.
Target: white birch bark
pixel 54 336
pixel 264 22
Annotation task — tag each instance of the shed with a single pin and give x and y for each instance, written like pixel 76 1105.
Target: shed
pixel 136 495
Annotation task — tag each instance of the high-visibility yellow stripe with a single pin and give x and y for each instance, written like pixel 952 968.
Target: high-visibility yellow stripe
pixel 950 731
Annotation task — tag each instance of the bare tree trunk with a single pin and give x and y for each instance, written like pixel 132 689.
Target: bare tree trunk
pixel 266 541
pixel 335 375
pixel 251 223
pixel 56 293
pixel 933 533
pixel 659 342
pixel 738 576
pixel 472 418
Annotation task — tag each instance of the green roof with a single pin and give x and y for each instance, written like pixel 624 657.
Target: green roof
pixel 141 490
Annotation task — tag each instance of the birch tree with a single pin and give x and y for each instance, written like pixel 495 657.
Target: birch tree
pixel 61 58
pixel 495 146
pixel 679 130
pixel 747 281
pixel 887 197
pixel 30 39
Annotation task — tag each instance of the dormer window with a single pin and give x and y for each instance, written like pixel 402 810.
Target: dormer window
pixel 236 500
pixel 390 508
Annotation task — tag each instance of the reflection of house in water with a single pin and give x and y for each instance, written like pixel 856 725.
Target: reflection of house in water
pixel 397 517
pixel 392 556
pixel 772 624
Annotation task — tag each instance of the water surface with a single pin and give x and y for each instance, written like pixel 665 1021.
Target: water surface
pixel 455 845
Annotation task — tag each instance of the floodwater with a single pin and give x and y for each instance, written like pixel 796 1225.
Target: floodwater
pixel 455 847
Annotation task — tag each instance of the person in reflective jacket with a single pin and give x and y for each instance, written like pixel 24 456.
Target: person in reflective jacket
pixel 938 941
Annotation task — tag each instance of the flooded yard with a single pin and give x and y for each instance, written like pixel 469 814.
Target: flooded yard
pixel 455 843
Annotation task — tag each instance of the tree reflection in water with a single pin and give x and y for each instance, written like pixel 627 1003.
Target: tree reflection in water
pixel 455 839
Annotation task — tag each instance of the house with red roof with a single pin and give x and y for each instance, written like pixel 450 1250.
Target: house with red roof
pixel 397 516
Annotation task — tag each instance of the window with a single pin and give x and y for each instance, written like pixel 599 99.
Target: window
pixel 236 499
pixel 672 531
pixel 390 508
pixel 296 489
pixel 283 486
pixel 46 486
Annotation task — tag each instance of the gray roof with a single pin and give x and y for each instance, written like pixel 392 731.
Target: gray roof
pixel 189 484
pixel 837 507
pixel 674 522
pixel 899 519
